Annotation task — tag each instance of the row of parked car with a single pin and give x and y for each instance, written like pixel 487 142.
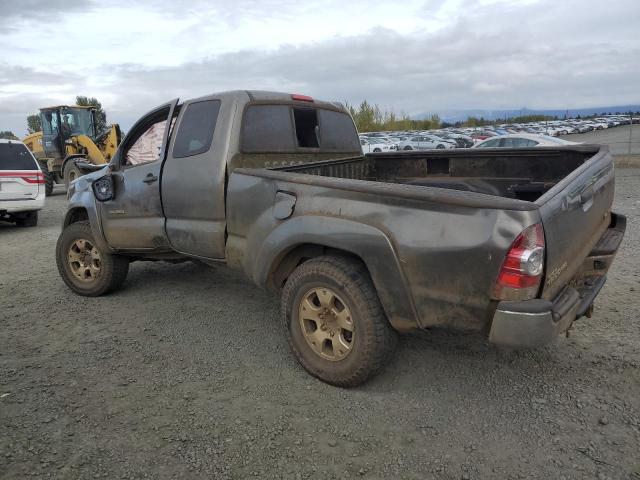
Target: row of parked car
pixel 504 135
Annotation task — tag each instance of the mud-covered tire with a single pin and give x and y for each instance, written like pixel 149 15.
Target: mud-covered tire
pixel 49 179
pixel 70 173
pixel 28 219
pixel 113 268
pixel 373 338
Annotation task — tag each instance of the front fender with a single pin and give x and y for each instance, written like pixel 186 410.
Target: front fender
pixel 370 244
pixel 81 197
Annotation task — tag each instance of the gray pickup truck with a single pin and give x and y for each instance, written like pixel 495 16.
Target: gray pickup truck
pixel 513 242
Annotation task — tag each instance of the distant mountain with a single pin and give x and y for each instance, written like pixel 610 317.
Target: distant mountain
pixel 453 116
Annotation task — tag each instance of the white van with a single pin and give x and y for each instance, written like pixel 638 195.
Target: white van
pixel 22 184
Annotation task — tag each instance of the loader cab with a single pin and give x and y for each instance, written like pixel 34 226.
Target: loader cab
pixel 63 122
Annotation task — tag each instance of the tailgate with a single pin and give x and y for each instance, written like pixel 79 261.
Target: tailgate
pixel 575 213
pixel 19 185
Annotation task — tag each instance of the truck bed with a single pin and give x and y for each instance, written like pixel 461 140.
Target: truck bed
pixel 522 174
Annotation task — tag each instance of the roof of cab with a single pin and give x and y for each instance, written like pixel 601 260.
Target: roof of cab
pixel 66 106
pixel 266 96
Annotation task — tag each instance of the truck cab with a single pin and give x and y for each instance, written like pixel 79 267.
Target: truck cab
pixel 208 138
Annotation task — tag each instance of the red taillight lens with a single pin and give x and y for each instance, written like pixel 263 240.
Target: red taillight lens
pixel 301 98
pixel 521 272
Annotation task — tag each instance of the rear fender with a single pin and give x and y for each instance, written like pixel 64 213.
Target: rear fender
pixel 370 244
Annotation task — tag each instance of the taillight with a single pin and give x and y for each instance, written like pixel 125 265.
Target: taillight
pixel 521 272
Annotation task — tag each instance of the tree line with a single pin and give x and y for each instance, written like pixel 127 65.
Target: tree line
pixel 371 118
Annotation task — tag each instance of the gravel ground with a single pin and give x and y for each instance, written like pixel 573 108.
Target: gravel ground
pixel 186 373
pixel 617 138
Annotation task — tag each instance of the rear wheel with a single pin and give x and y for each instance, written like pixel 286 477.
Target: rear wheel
pixel 71 172
pixel 440 146
pixel 376 150
pixel 84 267
pixel 408 147
pixel 337 328
pixel 28 219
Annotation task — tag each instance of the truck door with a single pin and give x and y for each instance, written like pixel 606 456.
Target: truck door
pixel 134 219
pixel 193 179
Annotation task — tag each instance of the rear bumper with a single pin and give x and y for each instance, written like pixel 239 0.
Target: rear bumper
pixel 16 206
pixel 533 323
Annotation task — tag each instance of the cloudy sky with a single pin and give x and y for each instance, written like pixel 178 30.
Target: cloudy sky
pixel 413 56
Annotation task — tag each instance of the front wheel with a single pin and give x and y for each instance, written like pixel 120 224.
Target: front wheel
pixel 48 179
pixel 408 147
pixel 440 146
pixel 337 328
pixel 84 267
pixel 71 172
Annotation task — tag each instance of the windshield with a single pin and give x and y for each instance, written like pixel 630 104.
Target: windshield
pixel 73 121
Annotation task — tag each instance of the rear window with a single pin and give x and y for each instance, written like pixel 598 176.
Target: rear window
pixel 337 131
pixel 282 128
pixel 267 128
pixel 15 156
pixel 195 133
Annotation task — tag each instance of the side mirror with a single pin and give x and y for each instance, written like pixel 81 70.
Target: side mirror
pixel 103 188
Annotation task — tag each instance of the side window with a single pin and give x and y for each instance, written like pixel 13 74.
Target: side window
pixel 491 143
pixel 147 146
pixel 196 129
pixel 363 142
pixel 531 143
pixel 267 128
pixel 512 142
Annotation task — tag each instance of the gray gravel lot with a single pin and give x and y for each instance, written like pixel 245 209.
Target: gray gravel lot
pixel 617 138
pixel 186 373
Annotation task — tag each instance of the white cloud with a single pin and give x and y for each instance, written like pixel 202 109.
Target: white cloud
pixel 419 56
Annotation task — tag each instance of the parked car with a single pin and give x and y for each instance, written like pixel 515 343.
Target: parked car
pixel 424 142
pixel 462 141
pixel 357 246
pixel 22 184
pixel 522 140
pixel 374 145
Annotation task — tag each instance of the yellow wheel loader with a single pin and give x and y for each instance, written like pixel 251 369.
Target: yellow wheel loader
pixel 69 134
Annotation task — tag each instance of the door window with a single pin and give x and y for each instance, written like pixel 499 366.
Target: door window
pixel 197 126
pixel 147 147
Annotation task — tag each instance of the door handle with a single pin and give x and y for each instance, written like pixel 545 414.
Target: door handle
pixel 150 178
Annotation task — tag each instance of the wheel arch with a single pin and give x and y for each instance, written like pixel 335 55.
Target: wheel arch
pixel 295 242
pixel 75 215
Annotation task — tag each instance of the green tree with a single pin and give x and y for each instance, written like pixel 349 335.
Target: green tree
pixel 371 118
pixel 8 135
pixel 101 116
pixel 33 123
